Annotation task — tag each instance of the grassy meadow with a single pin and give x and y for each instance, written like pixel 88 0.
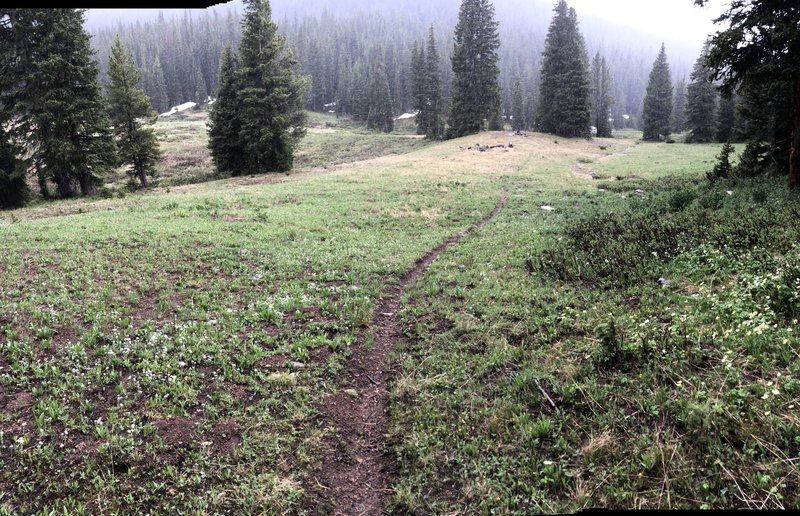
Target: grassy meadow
pixel 169 350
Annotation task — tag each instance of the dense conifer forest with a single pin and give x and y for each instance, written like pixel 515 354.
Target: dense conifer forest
pixel 336 45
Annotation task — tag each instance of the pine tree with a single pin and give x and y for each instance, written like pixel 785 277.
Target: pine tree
pixel 601 96
pixel 701 102
pixel 359 92
pixel 657 106
pixel 58 109
pixel 154 86
pixel 564 106
pixel 679 107
pixel 127 105
pixel 517 107
pixel 380 116
pixel 418 87
pixel 434 125
pixel 726 119
pixel 271 95
pixel 757 54
pixel 223 122
pixel 531 94
pixel 200 92
pixel 13 187
pixel 476 91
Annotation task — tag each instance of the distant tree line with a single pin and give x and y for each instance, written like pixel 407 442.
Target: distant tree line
pixel 179 58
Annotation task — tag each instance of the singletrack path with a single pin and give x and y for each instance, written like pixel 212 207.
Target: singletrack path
pixel 356 467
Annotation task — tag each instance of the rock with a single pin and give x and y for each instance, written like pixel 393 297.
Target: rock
pixel 351 392
pixel 298 365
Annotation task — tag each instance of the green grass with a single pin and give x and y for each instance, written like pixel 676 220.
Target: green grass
pixel 168 350
pixel 548 371
pixel 330 141
pixel 325 148
pixel 146 343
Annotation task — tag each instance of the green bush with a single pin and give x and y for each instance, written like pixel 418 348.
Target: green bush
pixel 623 248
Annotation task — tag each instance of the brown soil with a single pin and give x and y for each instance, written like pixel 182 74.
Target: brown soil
pixel 176 431
pixel 226 436
pixel 356 466
pixel 22 400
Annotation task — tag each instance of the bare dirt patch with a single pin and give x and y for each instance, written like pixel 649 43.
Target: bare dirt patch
pixel 356 466
pixel 20 401
pixel 176 431
pixel 225 437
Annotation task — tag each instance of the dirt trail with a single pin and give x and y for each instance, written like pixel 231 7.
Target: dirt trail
pixel 357 469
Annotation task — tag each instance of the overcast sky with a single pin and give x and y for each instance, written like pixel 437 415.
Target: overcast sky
pixel 675 18
pixel 671 19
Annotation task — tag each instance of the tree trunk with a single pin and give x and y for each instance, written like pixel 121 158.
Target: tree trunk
pixel 88 186
pixel 794 157
pixel 64 184
pixel 140 171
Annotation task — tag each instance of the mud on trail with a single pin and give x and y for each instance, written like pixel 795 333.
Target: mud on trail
pixel 356 472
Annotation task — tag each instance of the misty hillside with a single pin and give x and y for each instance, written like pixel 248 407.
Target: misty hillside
pixel 337 40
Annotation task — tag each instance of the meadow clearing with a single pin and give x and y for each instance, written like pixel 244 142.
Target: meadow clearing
pixel 181 349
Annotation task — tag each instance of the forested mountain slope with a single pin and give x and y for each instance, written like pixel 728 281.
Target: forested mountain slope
pixel 335 43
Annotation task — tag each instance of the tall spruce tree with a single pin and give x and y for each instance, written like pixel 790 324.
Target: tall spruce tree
pixel 223 122
pixel 434 123
pixel 601 96
pixel 517 107
pixel 475 90
pixel 128 106
pixel 679 107
pixel 58 111
pixel 701 102
pixel 758 54
pixel 158 88
pixel 13 186
pixel 564 94
pixel 418 87
pixel 271 95
pixel 380 116
pixel 657 106
pixel 726 119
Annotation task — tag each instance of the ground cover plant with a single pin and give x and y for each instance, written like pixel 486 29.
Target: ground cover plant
pixel 174 350
pixel 633 348
pixel 169 350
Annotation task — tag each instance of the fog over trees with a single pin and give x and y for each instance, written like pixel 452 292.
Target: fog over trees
pixel 337 42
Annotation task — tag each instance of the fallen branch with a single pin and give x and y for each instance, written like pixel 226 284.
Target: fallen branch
pixel 545 393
